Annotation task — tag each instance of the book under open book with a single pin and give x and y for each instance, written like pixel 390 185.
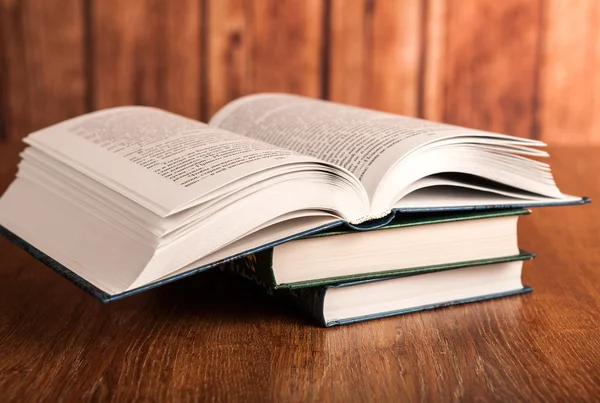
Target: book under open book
pixel 413 291
pixel 409 244
pixel 130 197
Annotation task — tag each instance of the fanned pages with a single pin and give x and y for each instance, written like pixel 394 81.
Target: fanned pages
pixel 389 154
pixel 128 196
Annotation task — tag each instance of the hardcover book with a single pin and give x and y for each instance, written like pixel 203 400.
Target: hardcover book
pixel 414 291
pixel 408 244
pixel 128 197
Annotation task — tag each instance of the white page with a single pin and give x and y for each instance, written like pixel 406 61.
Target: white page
pixel 161 160
pixel 463 196
pixel 259 238
pixel 107 258
pixel 367 143
pixel 46 171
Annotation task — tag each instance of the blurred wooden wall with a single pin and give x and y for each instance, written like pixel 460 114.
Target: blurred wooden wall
pixel 524 67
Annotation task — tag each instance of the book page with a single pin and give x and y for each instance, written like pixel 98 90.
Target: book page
pixel 159 159
pixel 367 143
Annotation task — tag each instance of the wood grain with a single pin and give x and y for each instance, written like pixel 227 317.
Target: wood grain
pixel 147 52
pixel 42 68
pixel 263 46
pixel 528 68
pixel 375 54
pixel 433 61
pixel 212 338
pixel 489 60
pixel 570 72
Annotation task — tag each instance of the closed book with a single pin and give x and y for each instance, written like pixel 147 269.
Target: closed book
pixel 419 290
pixel 408 244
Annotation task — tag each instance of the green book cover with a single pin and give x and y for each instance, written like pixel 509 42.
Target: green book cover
pixel 310 300
pixel 259 266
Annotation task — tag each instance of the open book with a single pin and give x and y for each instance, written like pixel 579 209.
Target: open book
pixel 131 196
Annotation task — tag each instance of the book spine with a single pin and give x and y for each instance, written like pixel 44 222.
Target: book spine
pixel 257 269
pixel 309 301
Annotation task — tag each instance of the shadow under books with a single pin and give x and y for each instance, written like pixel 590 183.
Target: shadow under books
pixel 214 295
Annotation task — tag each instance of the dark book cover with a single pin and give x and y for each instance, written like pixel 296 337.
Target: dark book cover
pixel 310 300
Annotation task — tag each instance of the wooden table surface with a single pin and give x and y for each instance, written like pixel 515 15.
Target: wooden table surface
pixel 219 339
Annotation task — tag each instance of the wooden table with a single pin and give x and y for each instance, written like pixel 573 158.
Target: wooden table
pixel 212 338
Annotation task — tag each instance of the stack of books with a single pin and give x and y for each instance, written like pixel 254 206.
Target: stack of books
pixel 349 213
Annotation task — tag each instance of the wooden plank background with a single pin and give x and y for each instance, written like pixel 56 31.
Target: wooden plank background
pixel 524 67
